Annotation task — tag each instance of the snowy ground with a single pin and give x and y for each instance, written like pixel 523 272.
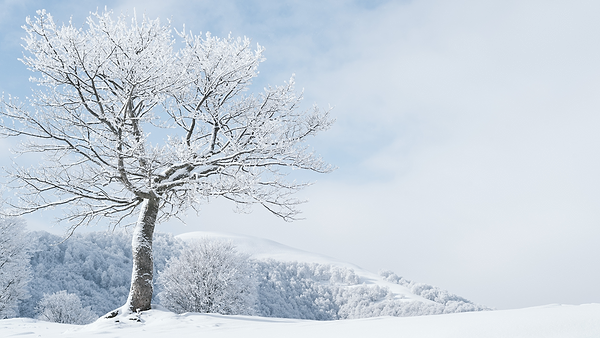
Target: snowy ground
pixel 546 321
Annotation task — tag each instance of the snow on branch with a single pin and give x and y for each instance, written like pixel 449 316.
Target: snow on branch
pixel 121 116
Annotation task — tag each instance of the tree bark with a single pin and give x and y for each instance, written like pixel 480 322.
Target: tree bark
pixel 140 293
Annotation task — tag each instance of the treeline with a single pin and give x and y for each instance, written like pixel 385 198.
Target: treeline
pixel 96 268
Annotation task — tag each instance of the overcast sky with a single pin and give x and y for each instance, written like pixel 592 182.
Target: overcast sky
pixel 467 137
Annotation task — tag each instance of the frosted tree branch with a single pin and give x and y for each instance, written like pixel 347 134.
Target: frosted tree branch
pixel 120 117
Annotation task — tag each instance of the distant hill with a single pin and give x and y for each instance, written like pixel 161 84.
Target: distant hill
pixel 299 284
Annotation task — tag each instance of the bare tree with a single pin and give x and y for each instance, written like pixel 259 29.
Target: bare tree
pixel 130 124
pixel 210 276
pixel 63 307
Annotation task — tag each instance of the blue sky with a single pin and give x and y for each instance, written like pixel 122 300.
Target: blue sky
pixel 466 139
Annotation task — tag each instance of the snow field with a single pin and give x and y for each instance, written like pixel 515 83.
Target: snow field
pixel 552 321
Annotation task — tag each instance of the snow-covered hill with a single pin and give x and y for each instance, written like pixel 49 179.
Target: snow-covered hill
pixel 263 250
pixel 290 283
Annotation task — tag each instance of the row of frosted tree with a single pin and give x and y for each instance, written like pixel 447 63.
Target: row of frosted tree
pixel 88 276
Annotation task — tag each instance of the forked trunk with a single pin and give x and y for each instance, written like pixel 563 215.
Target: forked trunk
pixel 140 293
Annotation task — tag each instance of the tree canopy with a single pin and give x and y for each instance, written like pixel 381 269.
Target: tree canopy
pixel 128 122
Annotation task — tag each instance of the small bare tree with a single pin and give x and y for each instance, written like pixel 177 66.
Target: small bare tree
pixel 63 307
pixel 128 124
pixel 209 276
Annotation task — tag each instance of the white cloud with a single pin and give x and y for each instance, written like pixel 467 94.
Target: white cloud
pixel 497 173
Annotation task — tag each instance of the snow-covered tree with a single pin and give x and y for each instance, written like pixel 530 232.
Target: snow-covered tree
pixel 14 266
pixel 63 307
pixel 209 276
pixel 130 124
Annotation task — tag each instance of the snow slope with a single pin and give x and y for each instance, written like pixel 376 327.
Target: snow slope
pixel 547 321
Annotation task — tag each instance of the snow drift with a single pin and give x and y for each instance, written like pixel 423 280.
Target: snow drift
pixel 552 321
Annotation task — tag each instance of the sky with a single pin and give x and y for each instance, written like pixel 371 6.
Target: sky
pixel 466 138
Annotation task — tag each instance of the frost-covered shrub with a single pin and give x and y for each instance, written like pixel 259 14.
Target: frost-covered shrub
pixel 95 266
pixel 63 307
pixel 451 302
pixel 209 276
pixel 14 266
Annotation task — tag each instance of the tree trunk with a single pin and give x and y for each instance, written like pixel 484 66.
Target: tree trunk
pixel 140 293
